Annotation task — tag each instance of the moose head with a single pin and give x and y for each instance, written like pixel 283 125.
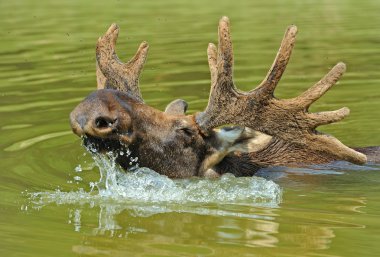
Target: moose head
pixel 266 131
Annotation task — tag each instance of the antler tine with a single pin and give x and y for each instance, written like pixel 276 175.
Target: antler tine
pixel 100 78
pixel 105 49
pixel 225 59
pixel 136 64
pixel 212 62
pixel 220 60
pixel 321 87
pixel 336 150
pixel 111 72
pixel 324 118
pixel 268 85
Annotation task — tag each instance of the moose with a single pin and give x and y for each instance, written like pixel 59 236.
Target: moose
pixel 238 132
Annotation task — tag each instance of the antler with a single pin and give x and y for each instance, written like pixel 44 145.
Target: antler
pixel 111 72
pixel 287 120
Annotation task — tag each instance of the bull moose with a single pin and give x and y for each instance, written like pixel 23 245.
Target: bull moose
pixel 238 132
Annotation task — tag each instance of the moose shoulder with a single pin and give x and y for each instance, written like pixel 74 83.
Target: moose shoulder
pixel 267 131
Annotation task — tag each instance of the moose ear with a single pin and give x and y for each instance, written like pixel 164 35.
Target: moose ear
pixel 176 107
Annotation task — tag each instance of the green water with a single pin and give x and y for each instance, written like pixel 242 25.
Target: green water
pixel 47 67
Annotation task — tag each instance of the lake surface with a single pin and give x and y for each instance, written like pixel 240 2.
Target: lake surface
pixel 55 203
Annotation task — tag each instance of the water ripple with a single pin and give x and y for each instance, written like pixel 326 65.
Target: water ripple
pixel 25 106
pixel 31 141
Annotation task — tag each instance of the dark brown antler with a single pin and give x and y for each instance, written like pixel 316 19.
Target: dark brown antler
pixel 111 72
pixel 287 120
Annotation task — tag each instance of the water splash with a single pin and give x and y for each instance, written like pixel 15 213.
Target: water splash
pixel 145 185
pixel 145 192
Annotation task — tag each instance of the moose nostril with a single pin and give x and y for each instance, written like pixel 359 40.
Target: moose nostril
pixel 103 122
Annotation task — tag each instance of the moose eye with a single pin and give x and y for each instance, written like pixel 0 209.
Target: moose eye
pixel 187 131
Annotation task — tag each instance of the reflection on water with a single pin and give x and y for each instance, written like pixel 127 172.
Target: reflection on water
pixel 75 219
pixel 262 229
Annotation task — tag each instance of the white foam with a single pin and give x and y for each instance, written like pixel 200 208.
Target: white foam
pixel 147 192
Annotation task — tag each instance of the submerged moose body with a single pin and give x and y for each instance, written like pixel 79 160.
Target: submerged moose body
pixel 267 131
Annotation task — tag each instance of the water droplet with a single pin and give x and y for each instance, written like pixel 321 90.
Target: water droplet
pixel 78 168
pixel 77 178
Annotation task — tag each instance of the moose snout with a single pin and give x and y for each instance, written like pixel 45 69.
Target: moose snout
pixel 97 125
pixel 101 115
